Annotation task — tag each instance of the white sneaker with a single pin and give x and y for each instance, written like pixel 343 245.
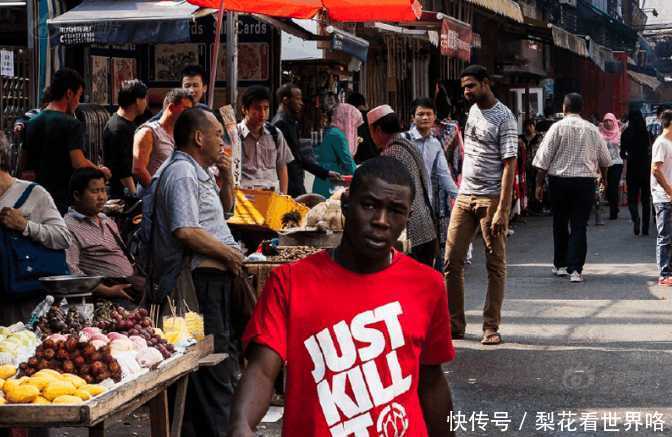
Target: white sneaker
pixel 576 277
pixel 561 272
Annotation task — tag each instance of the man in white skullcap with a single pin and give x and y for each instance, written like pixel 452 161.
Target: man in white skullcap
pixel 421 230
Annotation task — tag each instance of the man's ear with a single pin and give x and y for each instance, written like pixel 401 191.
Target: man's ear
pixel 75 196
pixel 345 200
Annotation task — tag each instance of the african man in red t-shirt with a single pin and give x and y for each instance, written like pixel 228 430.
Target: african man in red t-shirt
pixel 363 329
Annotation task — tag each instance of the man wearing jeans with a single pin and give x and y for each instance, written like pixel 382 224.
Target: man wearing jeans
pixel 484 200
pixel 661 191
pixel 571 153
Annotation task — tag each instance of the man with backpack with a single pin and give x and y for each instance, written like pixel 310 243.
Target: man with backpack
pixel 265 151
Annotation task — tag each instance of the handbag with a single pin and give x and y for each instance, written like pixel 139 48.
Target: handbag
pixel 23 261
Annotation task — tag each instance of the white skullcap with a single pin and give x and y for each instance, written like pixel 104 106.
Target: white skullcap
pixel 378 112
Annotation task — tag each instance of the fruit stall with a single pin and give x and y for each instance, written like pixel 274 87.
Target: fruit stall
pixel 65 369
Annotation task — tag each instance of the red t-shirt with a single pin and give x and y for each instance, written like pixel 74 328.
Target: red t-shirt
pixel 353 344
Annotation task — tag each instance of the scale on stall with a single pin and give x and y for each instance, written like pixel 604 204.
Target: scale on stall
pixel 73 287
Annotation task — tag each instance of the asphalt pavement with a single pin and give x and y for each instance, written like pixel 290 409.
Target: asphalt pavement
pixel 590 359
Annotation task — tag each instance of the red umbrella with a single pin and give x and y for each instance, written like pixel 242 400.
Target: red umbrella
pixel 335 10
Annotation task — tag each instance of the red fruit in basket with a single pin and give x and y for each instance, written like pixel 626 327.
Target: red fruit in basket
pixel 87 378
pixel 146 323
pixel 102 376
pixel 68 366
pixel 30 371
pixel 47 344
pixel 88 351
pixel 60 344
pixel 108 358
pixel 85 370
pixel 96 357
pixel 32 362
pixel 62 354
pixel 79 361
pixel 71 343
pixel 49 354
pixel 96 368
pixel 24 366
pixel 143 312
pixel 42 364
pixel 133 332
pixel 54 364
pixel 114 367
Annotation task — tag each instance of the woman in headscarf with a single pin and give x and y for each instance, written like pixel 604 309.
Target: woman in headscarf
pixel 611 132
pixel 636 150
pixel 336 150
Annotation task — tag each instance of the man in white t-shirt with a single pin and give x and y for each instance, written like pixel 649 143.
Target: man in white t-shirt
pixel 661 191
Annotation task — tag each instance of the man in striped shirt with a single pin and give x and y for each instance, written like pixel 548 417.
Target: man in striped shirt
pixel 96 249
pixel 484 200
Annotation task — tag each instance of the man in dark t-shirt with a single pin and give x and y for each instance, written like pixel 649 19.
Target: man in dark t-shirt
pixel 118 137
pixel 55 138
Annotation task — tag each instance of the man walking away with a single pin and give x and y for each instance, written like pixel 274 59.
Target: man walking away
pixel 661 191
pixel 484 200
pixel 570 154
pixel 118 137
pixel 286 120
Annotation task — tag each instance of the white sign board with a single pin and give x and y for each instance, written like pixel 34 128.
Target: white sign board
pixel 6 63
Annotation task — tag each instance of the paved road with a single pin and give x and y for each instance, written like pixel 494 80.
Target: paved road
pixel 599 348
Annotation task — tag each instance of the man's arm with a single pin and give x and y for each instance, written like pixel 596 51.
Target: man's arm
pixel 255 390
pixel 224 165
pixel 657 171
pixel 539 184
pixel 129 184
pixel 143 143
pixel 78 160
pixel 445 179
pixel 201 242
pixel 501 217
pixel 435 400
pixel 283 177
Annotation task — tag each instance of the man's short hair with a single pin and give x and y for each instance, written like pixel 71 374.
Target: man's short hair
pixel 80 179
pixel 666 118
pixel 65 79
pixel 175 96
pixel 285 91
pixel 422 102
pixel 194 70
pixel 384 168
pixel 256 93
pixel 478 72
pixel 130 91
pixel 389 124
pixel 660 109
pixel 573 103
pixel 189 121
pixel 356 100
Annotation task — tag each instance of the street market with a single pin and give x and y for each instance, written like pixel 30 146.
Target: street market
pixel 326 217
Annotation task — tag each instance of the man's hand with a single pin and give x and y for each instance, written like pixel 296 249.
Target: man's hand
pixel 539 193
pixel 335 177
pixel 106 171
pixel 234 261
pixel 114 291
pixel 13 219
pixel 224 165
pixel 500 222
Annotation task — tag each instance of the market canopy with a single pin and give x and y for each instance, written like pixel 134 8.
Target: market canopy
pixel 336 10
pixel 125 21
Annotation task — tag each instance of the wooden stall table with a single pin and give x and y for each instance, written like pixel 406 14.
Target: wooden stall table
pixel 150 388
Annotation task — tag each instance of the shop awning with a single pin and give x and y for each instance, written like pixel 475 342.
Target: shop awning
pixel 507 8
pixel 125 21
pixel 644 79
pixel 601 55
pixel 569 41
pixel 337 10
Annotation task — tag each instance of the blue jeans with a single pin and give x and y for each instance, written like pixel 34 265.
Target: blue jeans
pixel 664 241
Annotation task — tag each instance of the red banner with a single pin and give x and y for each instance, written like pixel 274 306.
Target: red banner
pixel 456 39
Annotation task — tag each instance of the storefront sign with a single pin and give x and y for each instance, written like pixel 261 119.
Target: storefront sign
pixel 6 63
pixel 456 40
